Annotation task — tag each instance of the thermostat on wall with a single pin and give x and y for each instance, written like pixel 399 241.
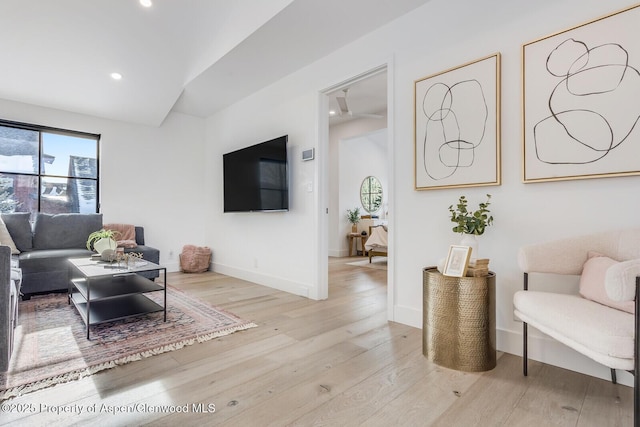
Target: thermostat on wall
pixel 308 154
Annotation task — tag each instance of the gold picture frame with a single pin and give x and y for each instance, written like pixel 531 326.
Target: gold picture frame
pixel 457 261
pixel 580 110
pixel 457 126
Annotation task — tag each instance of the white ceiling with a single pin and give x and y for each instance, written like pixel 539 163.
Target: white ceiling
pixel 366 98
pixel 190 56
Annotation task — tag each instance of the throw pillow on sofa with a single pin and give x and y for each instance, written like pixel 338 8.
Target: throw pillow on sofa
pixel 592 282
pixel 5 238
pixel 19 226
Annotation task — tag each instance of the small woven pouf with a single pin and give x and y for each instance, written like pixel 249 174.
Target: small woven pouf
pixel 195 259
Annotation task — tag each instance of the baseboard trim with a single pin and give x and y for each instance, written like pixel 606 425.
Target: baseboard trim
pixel 270 281
pixel 338 253
pixel 407 316
pixel 172 266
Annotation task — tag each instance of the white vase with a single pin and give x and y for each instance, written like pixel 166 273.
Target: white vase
pixel 104 243
pixel 470 240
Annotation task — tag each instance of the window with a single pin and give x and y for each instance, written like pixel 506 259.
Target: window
pixel 371 194
pixel 48 170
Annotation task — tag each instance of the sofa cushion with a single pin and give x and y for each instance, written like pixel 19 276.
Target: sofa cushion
pixel 592 282
pixel 48 260
pixel 19 226
pixel 64 231
pixel 6 239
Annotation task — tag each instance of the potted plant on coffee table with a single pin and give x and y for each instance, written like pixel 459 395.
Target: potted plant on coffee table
pixel 101 240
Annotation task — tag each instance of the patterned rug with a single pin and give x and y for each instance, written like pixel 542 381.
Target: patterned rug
pixel 51 345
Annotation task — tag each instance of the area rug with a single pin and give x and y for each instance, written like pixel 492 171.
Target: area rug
pixel 51 345
pixel 378 263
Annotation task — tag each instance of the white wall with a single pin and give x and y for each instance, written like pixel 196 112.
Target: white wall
pixel 362 159
pixel 150 176
pixel 438 36
pixel 275 248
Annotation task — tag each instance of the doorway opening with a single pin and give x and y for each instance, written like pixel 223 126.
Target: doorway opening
pixel 355 140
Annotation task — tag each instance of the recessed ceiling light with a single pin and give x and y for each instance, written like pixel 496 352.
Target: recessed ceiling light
pixel 332 113
pixel 146 3
pixel 116 76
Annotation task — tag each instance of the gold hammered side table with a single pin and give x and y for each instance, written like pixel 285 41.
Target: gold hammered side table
pixel 459 321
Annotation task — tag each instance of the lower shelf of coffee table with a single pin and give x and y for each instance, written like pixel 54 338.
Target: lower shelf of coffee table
pixel 114 286
pixel 107 310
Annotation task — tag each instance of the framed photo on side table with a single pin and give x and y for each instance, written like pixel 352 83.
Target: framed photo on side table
pixel 457 261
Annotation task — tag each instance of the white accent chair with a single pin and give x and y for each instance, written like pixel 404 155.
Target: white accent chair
pixel 605 334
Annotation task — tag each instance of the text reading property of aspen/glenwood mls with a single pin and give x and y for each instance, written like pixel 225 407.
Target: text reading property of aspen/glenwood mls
pixel 101 408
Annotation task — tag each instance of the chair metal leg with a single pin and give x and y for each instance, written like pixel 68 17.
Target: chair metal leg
pixel 636 363
pixel 614 379
pixel 524 349
pixel 525 286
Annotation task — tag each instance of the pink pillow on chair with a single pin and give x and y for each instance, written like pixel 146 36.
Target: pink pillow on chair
pixel 592 282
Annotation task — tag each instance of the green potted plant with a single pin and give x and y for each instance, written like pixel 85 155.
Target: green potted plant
pixel 471 223
pixel 101 240
pixel 353 216
pixel 468 222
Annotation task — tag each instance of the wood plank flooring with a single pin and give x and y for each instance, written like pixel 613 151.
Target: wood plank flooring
pixel 334 363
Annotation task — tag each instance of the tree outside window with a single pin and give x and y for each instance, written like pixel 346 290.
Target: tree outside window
pixel 47 170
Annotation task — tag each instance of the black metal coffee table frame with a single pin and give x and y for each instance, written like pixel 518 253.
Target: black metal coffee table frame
pixel 104 292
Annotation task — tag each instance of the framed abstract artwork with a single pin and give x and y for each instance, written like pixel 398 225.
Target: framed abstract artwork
pixel 581 101
pixel 457 126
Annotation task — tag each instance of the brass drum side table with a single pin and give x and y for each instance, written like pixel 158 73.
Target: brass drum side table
pixel 459 321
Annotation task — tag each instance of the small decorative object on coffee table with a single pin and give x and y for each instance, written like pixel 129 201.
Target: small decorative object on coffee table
pixel 105 291
pixel 101 240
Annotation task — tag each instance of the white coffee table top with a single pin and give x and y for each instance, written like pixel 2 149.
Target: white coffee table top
pixel 95 268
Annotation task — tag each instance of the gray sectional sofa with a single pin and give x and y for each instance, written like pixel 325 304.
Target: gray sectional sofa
pixel 42 266
pixel 47 244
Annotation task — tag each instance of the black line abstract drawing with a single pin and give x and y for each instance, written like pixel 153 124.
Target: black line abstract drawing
pixel 592 109
pixel 456 118
pixel 456 122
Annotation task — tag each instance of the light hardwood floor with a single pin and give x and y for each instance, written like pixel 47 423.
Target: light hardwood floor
pixel 336 362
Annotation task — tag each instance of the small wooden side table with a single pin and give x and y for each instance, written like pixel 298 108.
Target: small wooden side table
pixel 353 237
pixel 459 321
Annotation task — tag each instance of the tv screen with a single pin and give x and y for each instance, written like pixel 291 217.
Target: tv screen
pixel 256 177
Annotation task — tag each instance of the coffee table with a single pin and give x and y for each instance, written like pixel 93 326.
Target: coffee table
pixel 103 292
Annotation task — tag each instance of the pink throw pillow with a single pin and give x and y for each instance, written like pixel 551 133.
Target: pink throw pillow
pixel 592 282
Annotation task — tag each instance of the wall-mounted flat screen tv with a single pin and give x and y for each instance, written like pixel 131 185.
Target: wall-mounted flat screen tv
pixel 256 178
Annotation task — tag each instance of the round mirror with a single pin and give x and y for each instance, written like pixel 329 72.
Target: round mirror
pixel 371 194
